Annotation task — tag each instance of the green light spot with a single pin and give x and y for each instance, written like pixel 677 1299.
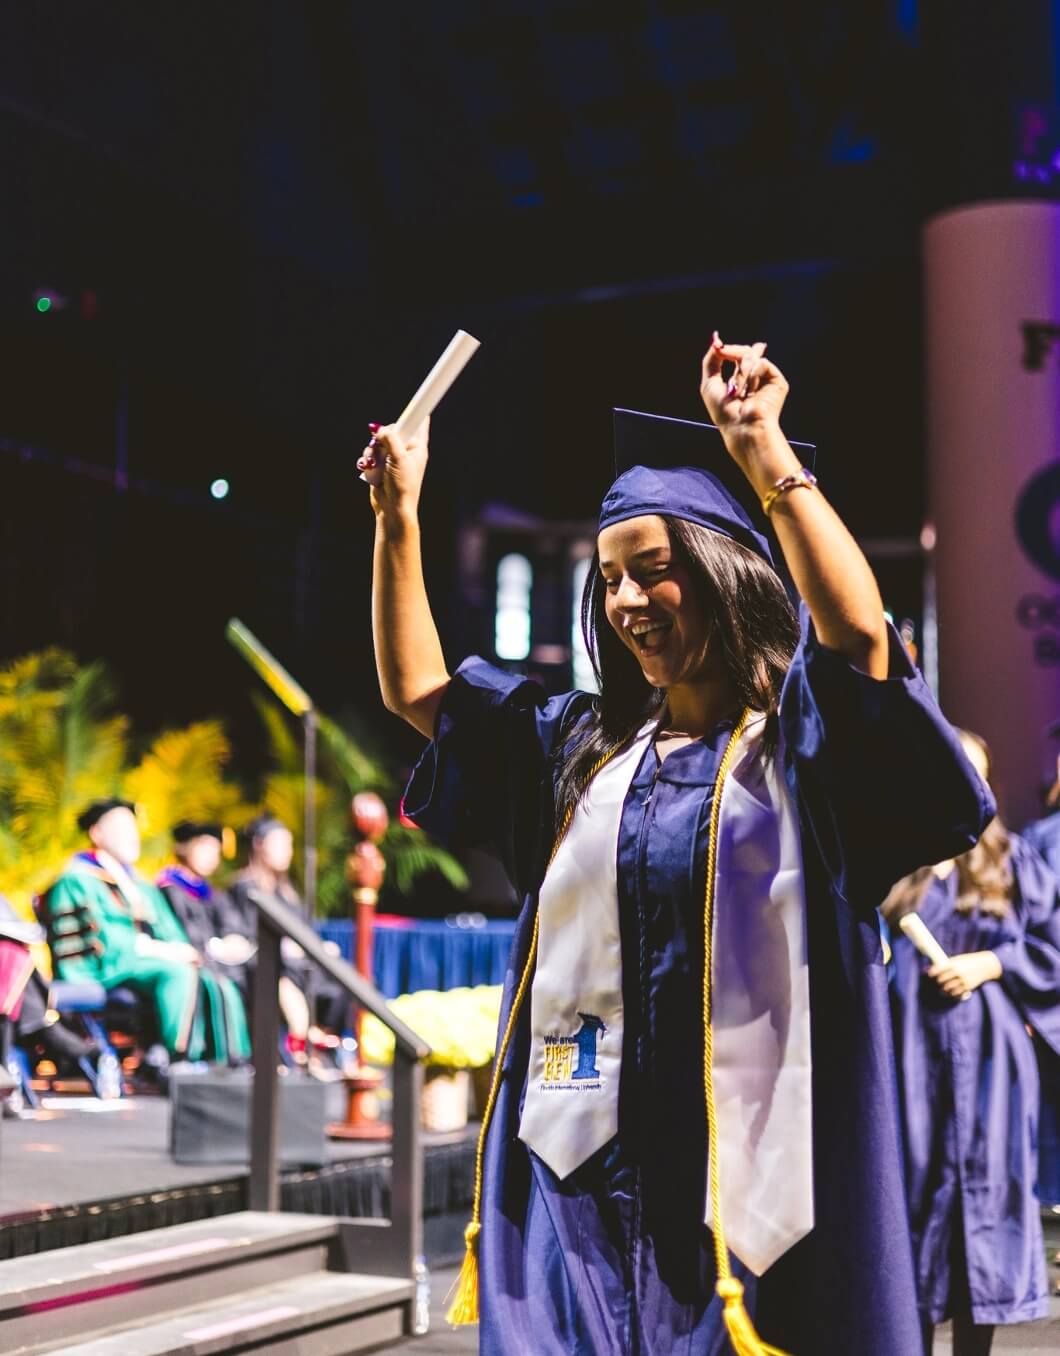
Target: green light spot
pixel 44 304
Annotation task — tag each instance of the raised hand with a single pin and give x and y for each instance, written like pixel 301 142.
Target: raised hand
pixel 396 467
pixel 751 398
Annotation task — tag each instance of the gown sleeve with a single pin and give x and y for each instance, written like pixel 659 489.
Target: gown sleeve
pixel 1030 963
pixel 73 893
pixel 484 781
pixel 881 780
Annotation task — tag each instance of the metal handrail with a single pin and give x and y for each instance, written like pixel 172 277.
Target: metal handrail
pixel 289 924
pixel 371 1246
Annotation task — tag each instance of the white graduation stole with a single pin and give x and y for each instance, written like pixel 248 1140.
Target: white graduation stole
pixel 571 1105
pixel 760 1000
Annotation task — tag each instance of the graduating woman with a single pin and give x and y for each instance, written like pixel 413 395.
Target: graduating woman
pixel 692 1123
pixel 968 1078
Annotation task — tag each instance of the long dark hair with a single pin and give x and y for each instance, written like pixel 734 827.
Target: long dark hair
pixel 985 879
pixel 751 626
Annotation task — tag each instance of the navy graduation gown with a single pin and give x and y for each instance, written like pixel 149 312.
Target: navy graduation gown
pixel 1044 836
pixel 616 1258
pixel 969 1094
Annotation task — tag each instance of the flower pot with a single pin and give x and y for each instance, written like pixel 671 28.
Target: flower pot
pixel 445 1096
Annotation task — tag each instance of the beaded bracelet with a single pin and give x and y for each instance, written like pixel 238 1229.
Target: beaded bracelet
pixel 805 480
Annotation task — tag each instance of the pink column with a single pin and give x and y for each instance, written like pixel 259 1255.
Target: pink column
pixel 992 355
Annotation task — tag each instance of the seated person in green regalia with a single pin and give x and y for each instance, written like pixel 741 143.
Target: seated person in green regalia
pixel 142 944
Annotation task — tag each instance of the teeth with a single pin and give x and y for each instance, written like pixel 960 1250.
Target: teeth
pixel 641 628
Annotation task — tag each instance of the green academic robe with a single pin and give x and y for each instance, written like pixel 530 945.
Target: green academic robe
pixel 200 1014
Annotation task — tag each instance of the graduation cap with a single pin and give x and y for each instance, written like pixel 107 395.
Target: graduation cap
pixel 188 829
pixel 93 813
pixel 682 469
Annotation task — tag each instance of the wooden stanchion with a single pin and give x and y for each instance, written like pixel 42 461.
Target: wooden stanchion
pixel 365 869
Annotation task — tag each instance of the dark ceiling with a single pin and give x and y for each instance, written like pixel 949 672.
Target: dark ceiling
pixel 267 217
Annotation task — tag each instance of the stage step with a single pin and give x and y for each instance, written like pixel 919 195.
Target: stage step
pixel 328 1314
pixel 244 1282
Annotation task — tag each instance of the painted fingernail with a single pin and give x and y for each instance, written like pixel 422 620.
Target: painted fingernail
pixel 731 390
pixel 374 428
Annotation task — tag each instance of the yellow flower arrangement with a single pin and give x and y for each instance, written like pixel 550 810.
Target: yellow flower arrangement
pixel 460 1026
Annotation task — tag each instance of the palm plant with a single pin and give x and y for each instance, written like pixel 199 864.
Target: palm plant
pixel 182 776
pixel 344 768
pixel 64 744
pixel 61 745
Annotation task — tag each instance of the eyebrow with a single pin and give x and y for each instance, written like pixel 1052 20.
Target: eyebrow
pixel 637 555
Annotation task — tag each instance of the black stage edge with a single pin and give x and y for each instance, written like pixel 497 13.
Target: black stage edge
pixel 43 1163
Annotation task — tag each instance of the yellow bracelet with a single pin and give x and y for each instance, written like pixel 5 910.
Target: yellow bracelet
pixel 805 480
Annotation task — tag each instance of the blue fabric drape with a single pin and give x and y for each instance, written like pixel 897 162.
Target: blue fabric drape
pixel 428 953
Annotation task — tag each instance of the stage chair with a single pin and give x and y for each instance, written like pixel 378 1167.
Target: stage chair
pixel 107 1015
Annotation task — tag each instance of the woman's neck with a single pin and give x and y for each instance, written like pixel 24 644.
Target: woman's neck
pixel 695 708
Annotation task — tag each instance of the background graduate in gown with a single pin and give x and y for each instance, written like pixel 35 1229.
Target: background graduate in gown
pixel 968 1077
pixel 689 625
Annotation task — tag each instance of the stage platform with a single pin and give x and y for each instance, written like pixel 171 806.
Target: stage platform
pixel 82 1170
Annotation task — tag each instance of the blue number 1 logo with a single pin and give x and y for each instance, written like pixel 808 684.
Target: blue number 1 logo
pixel 585 1038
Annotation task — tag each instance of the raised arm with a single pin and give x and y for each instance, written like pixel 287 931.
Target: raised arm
pixel 408 654
pixel 825 561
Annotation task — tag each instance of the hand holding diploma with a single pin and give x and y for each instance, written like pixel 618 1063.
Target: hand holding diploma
pixel 957 976
pixel 386 441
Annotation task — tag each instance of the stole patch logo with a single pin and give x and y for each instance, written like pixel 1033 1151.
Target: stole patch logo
pixel 560 1052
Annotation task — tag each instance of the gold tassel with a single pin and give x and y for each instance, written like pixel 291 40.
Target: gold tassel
pixel 464 1308
pixel 745 1341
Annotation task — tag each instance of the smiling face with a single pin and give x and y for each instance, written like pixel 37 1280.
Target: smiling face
pixel 651 601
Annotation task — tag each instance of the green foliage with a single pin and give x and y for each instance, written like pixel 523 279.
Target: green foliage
pixel 182 776
pixel 344 767
pixel 63 743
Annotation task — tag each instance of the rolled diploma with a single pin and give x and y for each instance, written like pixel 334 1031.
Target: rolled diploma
pixel 923 939
pixel 460 349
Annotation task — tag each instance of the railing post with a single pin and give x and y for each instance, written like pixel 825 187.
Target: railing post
pixel 264 1192
pixel 406 1172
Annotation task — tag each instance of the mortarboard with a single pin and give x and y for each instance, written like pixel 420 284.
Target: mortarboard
pixel 188 829
pixel 682 469
pixel 93 813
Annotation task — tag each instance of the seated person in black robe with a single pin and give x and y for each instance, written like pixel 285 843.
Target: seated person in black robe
pixel 307 997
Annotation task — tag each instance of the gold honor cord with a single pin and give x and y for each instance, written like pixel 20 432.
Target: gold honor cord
pixel 464 1308
pixel 745 1341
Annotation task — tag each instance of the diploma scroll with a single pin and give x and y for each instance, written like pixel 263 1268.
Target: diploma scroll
pixel 459 351
pixel 925 942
